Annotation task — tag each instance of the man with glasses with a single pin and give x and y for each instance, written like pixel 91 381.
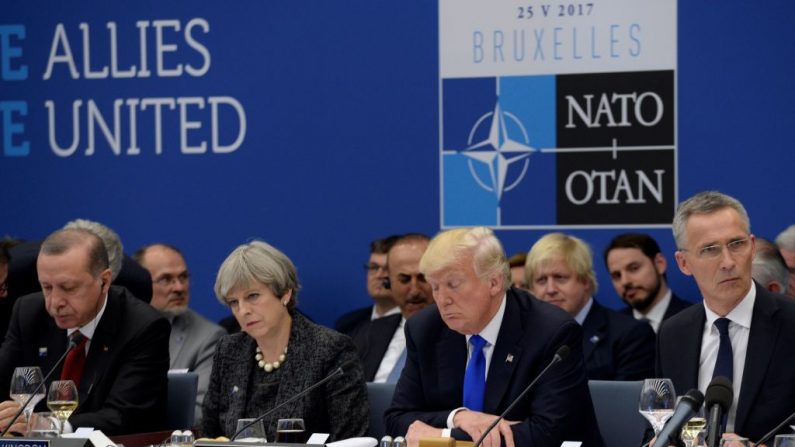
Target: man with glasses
pixel 377 276
pixel 741 331
pixel 193 337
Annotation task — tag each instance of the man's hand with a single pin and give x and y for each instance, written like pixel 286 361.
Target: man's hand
pixel 8 409
pixel 475 423
pixel 419 429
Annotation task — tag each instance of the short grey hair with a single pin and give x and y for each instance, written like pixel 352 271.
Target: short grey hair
pixel 109 237
pixel 786 239
pixel 769 266
pixel 258 261
pixel 63 240
pixel 706 202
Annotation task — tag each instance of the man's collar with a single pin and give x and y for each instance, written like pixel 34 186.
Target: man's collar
pixel 89 328
pixel 492 330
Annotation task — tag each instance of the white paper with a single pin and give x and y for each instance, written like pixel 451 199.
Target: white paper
pixel 355 442
pixel 571 444
pixel 318 438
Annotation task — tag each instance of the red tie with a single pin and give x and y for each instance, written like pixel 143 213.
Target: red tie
pixel 75 360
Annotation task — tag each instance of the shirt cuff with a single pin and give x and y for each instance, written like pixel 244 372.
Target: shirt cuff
pixel 450 418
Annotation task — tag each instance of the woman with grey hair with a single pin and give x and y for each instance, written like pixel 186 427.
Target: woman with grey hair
pixel 278 354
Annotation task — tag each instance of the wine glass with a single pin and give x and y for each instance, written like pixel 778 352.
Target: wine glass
pixel 24 383
pixel 290 431
pixel 62 400
pixel 254 432
pixel 657 401
pixel 693 428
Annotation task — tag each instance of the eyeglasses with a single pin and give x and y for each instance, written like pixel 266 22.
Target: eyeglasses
pixel 373 267
pixel 167 280
pixel 710 252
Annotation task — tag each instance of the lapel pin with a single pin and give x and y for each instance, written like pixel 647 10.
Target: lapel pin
pixel 104 348
pixel 594 339
pixel 509 359
pixel 42 351
pixel 235 389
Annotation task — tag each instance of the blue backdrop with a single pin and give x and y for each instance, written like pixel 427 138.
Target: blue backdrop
pixel 340 145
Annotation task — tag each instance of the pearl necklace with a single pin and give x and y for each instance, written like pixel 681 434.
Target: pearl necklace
pixel 269 367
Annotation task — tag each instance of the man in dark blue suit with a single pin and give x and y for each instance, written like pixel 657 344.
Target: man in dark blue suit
pixel 741 331
pixel 476 350
pixel 559 270
pixel 637 268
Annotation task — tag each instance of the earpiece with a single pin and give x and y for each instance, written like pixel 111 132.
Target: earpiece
pixel 386 284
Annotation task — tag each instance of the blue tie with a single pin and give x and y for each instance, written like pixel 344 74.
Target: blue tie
pixel 394 375
pixel 475 375
pixel 725 361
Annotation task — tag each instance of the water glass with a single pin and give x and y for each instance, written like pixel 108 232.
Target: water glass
pixel 784 441
pixel 254 433
pixel 43 425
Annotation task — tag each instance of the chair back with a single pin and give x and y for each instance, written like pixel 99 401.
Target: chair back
pixel 380 396
pixel 181 406
pixel 616 406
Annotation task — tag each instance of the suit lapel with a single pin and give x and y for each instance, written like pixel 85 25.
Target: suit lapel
pixel 507 353
pixel 593 329
pixel 102 346
pixel 451 358
pixel 761 344
pixel 688 343
pixel 177 339
pixel 379 335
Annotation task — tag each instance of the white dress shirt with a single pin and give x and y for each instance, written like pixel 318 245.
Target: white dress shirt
pixel 490 334
pixel 396 347
pixel 656 314
pixel 739 330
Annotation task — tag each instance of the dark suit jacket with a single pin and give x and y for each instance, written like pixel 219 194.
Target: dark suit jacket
pixel 617 347
pixel 675 306
pixel 372 341
pixel 123 387
pixel 352 321
pixel 558 408
pixel 767 393
pixel 339 407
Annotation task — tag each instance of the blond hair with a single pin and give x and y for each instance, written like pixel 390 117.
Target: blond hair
pixel 454 246
pixel 558 246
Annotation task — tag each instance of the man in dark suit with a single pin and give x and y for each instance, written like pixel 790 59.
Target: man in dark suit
pixel 350 323
pixel 637 268
pixel 741 331
pixel 121 359
pixel 381 342
pixel 509 337
pixel 559 270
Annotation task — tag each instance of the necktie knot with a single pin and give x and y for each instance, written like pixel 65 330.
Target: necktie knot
pixel 477 343
pixel 723 326
pixel 78 339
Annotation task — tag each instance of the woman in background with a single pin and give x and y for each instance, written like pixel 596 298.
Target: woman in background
pixel 278 354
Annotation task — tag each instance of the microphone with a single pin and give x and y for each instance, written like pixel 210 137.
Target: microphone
pixel 720 396
pixel 72 344
pixel 560 354
pixel 336 372
pixel 775 430
pixel 687 407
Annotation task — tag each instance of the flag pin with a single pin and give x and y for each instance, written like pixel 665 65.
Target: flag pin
pixel 509 359
pixel 42 351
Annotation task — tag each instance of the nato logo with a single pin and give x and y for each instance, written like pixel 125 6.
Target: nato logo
pixel 537 152
pixel 493 170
